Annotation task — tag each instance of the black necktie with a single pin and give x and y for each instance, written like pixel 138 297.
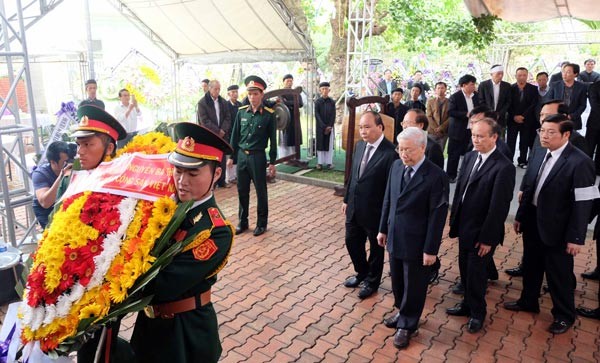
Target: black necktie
pixel 406 178
pixel 472 174
pixel 539 175
pixel 365 160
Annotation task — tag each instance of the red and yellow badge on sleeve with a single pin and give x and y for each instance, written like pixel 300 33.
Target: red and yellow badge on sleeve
pixel 203 247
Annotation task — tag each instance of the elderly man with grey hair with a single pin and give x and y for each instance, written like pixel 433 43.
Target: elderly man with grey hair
pixel 414 212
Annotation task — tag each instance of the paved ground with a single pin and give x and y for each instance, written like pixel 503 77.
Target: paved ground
pixel 280 298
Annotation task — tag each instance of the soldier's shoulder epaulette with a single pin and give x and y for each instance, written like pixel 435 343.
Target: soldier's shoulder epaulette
pixel 243 107
pixel 216 217
pixel 269 109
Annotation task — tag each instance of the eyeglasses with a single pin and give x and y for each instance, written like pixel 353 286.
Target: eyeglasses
pixel 550 133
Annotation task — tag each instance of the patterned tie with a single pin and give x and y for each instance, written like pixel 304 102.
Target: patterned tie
pixel 406 178
pixel 365 160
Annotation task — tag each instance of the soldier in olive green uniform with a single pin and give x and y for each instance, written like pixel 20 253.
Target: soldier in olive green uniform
pixel 254 125
pixel 180 325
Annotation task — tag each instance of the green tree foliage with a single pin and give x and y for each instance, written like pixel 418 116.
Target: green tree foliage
pixel 428 24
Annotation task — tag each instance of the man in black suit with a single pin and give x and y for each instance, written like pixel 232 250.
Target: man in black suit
pixel 521 116
pixel 558 193
pixel 396 110
pixel 415 101
pixel 479 209
pixel 572 92
pixel 387 84
pixel 460 105
pixel 371 163
pixel 417 118
pixel 557 77
pixel 213 113
pixel 495 94
pixel 414 211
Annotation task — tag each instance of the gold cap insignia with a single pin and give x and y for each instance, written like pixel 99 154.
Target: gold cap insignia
pixel 84 121
pixel 251 84
pixel 188 144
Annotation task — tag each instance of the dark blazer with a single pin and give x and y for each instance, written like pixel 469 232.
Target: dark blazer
pixel 486 95
pixel 207 115
pixel 414 218
pixel 382 88
pixel 434 153
pixel 398 114
pixel 364 195
pixel 457 110
pixel 480 216
pixel 578 99
pixel 559 218
pixel 525 107
pixel 593 121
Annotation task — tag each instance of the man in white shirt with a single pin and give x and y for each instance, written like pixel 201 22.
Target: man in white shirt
pixel 127 113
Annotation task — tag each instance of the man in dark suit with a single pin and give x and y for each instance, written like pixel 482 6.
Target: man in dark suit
pixel 213 113
pixel 387 84
pixel 415 100
pixel 414 211
pixel 479 209
pixel 396 110
pixel 371 163
pixel 460 105
pixel 558 193
pixel 495 94
pixel 433 151
pixel 557 77
pixel 572 92
pixel 521 116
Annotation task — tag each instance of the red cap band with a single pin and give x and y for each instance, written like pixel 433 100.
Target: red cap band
pixel 88 124
pixel 189 147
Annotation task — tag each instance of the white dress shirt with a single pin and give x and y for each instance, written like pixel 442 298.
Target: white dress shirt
pixel 128 122
pixel 547 168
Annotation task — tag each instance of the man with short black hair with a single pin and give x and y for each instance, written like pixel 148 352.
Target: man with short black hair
pixel 287 137
pixel 417 80
pixel 558 192
pixel 91 88
pixel 397 110
pixel 387 85
pixel 572 92
pixel 47 178
pixel 127 113
pixel 371 162
pixel 589 76
pixel 325 119
pixel 459 131
pixel 415 95
pixel 436 110
pixel 522 120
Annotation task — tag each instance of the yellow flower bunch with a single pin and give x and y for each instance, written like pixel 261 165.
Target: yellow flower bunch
pixel 134 258
pixel 150 143
pixel 66 230
pixel 150 74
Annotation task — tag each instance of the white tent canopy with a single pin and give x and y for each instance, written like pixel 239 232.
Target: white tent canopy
pixel 535 10
pixel 222 31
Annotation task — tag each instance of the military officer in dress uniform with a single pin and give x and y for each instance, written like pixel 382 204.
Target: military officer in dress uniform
pixel 254 125
pixel 180 324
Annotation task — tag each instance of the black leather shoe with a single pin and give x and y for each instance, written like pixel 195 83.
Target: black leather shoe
pixel 514 272
pixel 241 228
pixel 559 326
pixel 515 306
pixel 365 291
pixel 588 313
pixel 474 325
pixel 402 338
pixel 459 310
pixel 259 230
pixel 392 321
pixel 592 275
pixel 352 281
pixel 433 275
pixel 458 289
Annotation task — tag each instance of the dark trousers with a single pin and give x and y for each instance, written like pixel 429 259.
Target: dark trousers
pixel 558 266
pixel 409 285
pixel 527 136
pixel 368 269
pixel 221 182
pixel 592 138
pixel 474 276
pixel 252 168
pixel 456 149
